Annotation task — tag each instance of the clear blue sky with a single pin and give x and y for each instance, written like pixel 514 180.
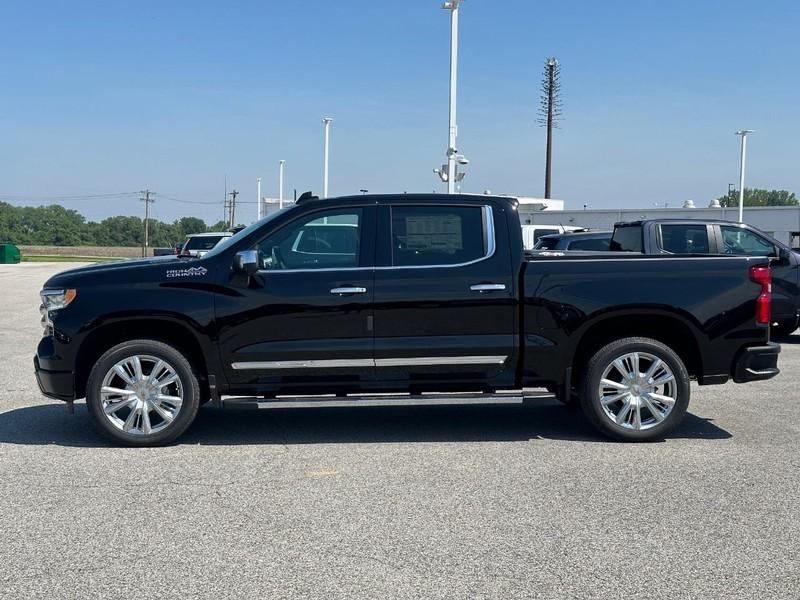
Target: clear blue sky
pixel 102 97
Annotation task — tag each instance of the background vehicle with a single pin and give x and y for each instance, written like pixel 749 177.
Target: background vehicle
pixel 692 236
pixel 197 244
pixel 590 241
pixel 532 233
pixel 427 296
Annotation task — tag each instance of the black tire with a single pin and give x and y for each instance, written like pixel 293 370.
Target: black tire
pixel 784 328
pixel 593 408
pixel 182 367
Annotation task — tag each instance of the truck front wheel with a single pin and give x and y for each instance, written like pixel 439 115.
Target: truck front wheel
pixel 142 393
pixel 636 389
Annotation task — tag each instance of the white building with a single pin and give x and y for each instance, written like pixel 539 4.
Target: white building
pixel 781 222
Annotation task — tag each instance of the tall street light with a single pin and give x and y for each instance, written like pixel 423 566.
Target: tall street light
pixel 743 133
pixel 450 175
pixel 258 203
pixel 327 121
pixel 280 183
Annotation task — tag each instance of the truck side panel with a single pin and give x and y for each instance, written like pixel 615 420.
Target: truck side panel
pixel 570 302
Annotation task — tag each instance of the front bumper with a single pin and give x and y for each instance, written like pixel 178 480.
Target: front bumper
pixel 53 374
pixel 757 363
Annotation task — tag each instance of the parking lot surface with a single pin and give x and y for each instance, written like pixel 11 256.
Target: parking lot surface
pixel 436 502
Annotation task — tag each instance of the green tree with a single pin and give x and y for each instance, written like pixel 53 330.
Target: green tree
pixel 219 226
pixel 759 197
pixel 187 225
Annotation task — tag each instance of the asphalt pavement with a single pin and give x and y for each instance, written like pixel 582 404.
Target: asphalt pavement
pixel 435 502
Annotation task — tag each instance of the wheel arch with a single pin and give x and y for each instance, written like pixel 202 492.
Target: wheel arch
pixel 108 335
pixel 669 328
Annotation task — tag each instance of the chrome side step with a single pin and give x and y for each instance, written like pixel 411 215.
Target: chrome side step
pixel 238 402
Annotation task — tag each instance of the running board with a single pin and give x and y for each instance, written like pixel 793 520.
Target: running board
pixel 238 402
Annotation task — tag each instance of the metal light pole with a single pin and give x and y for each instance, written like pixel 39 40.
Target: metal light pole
pixel 280 183
pixel 743 133
pixel 258 210
pixel 452 151
pixel 327 121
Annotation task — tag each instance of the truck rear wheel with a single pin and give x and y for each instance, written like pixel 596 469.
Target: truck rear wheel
pixel 142 393
pixel 636 389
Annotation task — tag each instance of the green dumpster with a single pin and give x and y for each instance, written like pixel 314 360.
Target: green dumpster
pixel 9 254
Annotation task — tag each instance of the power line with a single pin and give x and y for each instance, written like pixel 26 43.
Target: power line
pixel 76 197
pixel 187 201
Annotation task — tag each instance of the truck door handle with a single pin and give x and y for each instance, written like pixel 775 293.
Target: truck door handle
pixel 488 287
pixel 341 291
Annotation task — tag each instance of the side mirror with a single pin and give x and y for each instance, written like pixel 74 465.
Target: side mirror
pixel 246 262
pixel 784 255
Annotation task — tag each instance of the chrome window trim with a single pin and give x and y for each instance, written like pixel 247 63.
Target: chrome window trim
pixel 338 363
pixel 491 248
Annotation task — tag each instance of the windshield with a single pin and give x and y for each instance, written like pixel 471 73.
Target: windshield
pixel 206 242
pixel 227 242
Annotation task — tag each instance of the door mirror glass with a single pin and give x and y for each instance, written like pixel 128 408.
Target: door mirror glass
pixel 246 262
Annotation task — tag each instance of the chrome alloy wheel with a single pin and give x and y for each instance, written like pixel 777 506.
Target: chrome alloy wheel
pixel 141 395
pixel 637 391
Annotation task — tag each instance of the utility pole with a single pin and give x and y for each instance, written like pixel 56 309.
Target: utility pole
pixel 327 121
pixel 743 133
pixel 232 207
pixel 280 183
pixel 550 111
pixel 147 202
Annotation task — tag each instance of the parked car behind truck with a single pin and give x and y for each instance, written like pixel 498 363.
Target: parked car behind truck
pixel 587 241
pixel 430 297
pixel 693 236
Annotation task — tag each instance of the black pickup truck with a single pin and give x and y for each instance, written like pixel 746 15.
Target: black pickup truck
pixel 410 299
pixel 696 236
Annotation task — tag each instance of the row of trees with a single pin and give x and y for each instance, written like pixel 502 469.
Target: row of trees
pixel 58 226
pixel 757 197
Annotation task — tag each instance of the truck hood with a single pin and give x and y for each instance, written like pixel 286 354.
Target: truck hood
pixel 135 269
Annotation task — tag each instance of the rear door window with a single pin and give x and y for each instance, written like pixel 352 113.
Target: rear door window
pixel 437 235
pixel 685 239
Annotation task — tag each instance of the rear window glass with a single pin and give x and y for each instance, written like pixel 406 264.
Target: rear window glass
pixel 595 244
pixel 542 232
pixel 546 243
pixel 202 243
pixel 627 239
pixel 437 235
pixel 684 239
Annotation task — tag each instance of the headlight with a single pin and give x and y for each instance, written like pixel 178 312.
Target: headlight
pixel 54 300
pixel 57 299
